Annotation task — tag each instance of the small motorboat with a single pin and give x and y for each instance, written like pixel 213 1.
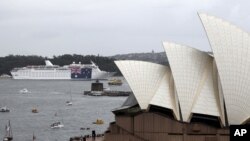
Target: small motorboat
pixel 8 133
pixel 4 109
pixel 82 128
pixel 98 122
pixel 34 110
pixel 24 91
pixel 56 125
pixel 69 103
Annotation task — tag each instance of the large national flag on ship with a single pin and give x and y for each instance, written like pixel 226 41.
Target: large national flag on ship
pixel 81 73
pixel 86 73
pixel 76 70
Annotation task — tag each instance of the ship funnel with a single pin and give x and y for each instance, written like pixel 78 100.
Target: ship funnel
pixel 48 63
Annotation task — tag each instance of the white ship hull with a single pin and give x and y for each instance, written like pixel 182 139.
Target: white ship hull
pixel 41 74
pixel 53 75
pixel 52 72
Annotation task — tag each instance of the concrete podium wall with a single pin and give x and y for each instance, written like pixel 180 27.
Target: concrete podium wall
pixel 155 127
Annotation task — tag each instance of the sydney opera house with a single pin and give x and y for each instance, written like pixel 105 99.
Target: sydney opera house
pixel 196 98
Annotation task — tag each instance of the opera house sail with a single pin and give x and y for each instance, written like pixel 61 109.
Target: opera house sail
pixel 193 77
pixel 196 97
pixel 154 89
pixel 231 49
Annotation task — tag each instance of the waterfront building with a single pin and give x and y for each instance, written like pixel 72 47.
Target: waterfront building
pixel 196 98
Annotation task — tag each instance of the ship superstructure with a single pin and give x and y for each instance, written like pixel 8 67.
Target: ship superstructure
pixel 55 72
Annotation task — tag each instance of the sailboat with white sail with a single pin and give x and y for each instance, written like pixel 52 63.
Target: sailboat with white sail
pixel 8 133
pixel 69 102
pixel 34 137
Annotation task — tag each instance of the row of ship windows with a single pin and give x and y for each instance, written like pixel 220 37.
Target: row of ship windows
pixel 51 74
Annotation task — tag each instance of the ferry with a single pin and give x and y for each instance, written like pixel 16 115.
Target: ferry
pixel 54 72
pixel 115 82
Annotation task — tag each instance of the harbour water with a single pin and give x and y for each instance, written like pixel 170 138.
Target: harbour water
pixel 50 97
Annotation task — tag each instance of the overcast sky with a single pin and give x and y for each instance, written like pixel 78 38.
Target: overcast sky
pixel 109 27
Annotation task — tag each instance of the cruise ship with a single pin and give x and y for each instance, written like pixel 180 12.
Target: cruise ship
pixel 54 72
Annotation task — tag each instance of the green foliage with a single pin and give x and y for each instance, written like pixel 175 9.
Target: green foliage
pixel 12 61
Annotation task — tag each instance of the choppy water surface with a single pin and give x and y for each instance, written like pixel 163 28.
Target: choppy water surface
pixel 49 98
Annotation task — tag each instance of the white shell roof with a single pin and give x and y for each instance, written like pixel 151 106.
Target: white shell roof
pixel 231 48
pixel 165 96
pixel 199 82
pixel 146 80
pixel 192 72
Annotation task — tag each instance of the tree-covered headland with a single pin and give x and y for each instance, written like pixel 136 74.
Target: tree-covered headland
pixel 9 62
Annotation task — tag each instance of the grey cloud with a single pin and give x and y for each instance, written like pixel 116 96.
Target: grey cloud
pixel 53 27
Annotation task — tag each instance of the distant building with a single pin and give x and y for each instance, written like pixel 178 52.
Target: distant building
pixel 196 98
